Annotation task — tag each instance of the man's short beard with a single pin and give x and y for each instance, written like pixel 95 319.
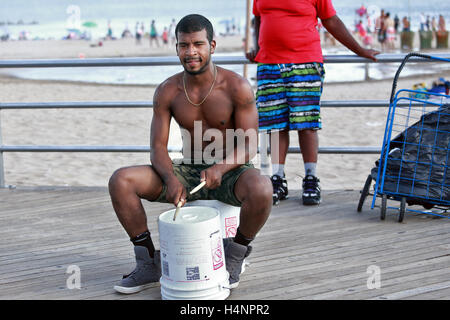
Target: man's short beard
pixel 201 70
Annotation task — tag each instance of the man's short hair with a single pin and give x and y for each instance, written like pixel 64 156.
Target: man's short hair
pixel 194 23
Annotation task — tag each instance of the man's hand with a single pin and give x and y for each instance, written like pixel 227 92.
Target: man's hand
pixel 370 54
pixel 252 55
pixel 176 192
pixel 212 176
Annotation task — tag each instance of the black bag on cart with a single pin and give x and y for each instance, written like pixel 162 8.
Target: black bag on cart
pixel 418 160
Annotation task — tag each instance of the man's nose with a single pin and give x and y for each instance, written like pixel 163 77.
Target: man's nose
pixel 191 49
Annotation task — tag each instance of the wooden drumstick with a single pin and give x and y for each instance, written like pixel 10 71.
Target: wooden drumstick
pixel 177 209
pixel 201 185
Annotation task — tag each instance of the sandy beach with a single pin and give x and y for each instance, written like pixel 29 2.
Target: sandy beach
pixel 341 127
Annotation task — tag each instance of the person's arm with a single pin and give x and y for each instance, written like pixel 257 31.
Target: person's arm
pixel 159 137
pixel 336 27
pixel 246 132
pixel 252 54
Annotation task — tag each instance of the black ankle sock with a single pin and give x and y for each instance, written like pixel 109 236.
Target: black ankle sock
pixel 241 239
pixel 144 240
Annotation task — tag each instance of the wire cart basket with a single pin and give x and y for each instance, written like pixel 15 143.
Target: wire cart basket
pixel 414 165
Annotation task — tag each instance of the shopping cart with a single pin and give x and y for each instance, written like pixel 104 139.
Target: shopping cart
pixel 414 165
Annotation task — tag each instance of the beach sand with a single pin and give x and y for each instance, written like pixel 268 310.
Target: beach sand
pixel 341 127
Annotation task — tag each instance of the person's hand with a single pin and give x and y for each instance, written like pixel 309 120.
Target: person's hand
pixel 212 176
pixel 252 55
pixel 370 54
pixel 176 192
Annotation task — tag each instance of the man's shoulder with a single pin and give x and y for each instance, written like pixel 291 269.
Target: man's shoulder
pixel 166 90
pixel 233 79
pixel 171 82
pixel 169 85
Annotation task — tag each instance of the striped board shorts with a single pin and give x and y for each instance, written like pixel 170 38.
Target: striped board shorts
pixel 288 96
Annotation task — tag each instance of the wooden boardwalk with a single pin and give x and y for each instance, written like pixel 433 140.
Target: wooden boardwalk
pixel 302 252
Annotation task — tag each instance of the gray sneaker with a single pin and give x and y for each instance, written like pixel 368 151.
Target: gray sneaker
pixel 147 271
pixel 235 254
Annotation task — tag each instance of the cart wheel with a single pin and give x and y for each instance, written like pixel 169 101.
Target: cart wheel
pixel 401 212
pixel 383 207
pixel 364 193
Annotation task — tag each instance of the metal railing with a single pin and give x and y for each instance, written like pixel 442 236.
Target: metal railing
pixel 166 61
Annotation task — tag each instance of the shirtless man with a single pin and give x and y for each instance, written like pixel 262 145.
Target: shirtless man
pixel 216 100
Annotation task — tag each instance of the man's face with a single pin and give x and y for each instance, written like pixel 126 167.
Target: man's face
pixel 194 51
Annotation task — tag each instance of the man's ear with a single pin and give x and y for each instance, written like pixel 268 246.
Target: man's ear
pixel 213 46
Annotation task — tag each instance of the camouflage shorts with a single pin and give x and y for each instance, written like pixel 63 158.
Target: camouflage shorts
pixel 189 176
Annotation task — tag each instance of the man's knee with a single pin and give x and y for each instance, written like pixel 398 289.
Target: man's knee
pixel 121 178
pixel 259 189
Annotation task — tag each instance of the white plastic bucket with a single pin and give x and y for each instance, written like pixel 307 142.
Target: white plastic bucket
pixel 192 255
pixel 229 215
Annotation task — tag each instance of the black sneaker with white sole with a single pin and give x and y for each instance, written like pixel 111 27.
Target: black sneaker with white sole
pixel 311 190
pixel 280 188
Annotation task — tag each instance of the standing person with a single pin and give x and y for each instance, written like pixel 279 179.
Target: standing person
pixel 138 33
pixel 423 21
pixel 406 24
pixel 290 76
pixel 433 24
pixel 389 30
pixel 381 31
pixel 153 34
pixel 172 32
pixel 441 24
pixel 165 37
pixel 396 23
pixel 202 98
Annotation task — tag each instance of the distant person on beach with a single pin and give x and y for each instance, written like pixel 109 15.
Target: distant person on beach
pixel 396 23
pixel 172 35
pixel 165 37
pixel 290 77
pixel 109 34
pixel 126 32
pixel 381 31
pixel 423 21
pixel 406 24
pixel 389 31
pixel 441 24
pixel 433 24
pixel 138 33
pixel 204 100
pixel 153 34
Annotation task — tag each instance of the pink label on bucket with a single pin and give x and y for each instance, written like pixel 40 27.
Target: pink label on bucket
pixel 230 227
pixel 216 251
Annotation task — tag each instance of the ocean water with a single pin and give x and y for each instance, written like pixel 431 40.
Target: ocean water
pixel 43 19
pixel 53 17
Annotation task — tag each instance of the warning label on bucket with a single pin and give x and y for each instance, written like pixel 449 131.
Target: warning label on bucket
pixel 230 227
pixel 216 251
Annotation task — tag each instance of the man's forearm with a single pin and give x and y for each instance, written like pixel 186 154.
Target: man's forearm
pixel 162 164
pixel 338 29
pixel 256 35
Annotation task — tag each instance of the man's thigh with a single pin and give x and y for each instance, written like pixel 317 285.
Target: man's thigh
pixel 227 191
pixel 189 176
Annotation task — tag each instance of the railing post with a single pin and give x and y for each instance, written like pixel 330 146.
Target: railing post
pixel 2 170
pixel 263 152
pixel 366 72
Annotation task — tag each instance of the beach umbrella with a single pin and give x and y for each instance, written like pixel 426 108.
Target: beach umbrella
pixel 89 24
pixel 361 11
